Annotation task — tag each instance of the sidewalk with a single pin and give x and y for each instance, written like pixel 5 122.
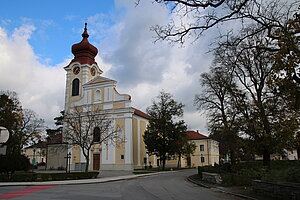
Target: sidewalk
pixel 109 176
pixel 228 190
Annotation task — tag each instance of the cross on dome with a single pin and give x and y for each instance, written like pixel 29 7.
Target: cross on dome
pixel 84 52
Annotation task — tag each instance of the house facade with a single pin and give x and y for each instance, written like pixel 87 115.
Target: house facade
pixel 206 152
pixel 36 153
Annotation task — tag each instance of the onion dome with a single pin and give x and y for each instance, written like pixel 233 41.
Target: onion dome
pixel 84 52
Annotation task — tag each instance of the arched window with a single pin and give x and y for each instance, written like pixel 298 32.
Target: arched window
pixel 96 134
pixel 98 95
pixel 75 87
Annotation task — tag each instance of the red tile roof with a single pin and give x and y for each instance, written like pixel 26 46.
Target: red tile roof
pixel 193 135
pixel 141 114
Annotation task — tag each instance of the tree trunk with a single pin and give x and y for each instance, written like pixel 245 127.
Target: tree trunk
pixel 164 162
pixel 87 158
pixel 87 164
pixel 232 157
pixel 179 161
pixel 266 158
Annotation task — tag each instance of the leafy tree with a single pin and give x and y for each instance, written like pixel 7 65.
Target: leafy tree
pixel 286 78
pixel 163 134
pixel 10 117
pixel 185 149
pixel 85 126
pixel 23 124
pixel 265 116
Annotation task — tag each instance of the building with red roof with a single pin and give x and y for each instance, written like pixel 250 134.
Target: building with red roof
pixel 206 152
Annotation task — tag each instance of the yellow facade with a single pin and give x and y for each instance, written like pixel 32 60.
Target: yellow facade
pixel 99 93
pixel 120 147
pixel 35 155
pixel 206 153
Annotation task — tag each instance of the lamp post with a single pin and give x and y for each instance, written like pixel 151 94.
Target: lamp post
pixel 33 159
pixel 68 162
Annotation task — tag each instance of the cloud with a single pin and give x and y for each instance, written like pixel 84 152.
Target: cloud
pixel 126 53
pixel 144 68
pixel 40 87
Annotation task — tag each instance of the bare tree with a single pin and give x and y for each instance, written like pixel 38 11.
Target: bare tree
pixel 218 100
pixel 191 18
pixel 85 126
pixel 31 128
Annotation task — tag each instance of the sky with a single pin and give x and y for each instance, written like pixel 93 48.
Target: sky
pixel 35 45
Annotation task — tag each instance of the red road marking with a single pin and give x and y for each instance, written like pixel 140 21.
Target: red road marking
pixel 25 191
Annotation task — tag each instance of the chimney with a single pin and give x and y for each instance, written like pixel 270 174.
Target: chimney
pixel 197 131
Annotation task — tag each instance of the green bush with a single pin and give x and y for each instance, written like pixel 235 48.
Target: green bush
pixel 13 162
pixel 230 179
pixel 28 177
pixel 244 172
pixel 293 175
pixel 223 168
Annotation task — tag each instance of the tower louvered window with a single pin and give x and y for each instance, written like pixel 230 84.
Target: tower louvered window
pixel 75 87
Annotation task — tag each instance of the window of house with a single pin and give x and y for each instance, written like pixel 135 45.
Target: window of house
pixel 96 134
pixel 202 159
pixel 122 157
pixel 201 147
pixel 75 87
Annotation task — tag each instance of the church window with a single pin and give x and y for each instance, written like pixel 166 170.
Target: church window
pixel 98 95
pixel 75 87
pixel 201 147
pixel 96 134
pixel 202 159
pixel 122 157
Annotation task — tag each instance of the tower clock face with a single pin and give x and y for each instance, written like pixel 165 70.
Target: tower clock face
pixel 76 70
pixel 93 71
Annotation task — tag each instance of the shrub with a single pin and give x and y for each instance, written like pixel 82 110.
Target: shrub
pixel 14 162
pixel 41 164
pixel 25 177
pixel 293 175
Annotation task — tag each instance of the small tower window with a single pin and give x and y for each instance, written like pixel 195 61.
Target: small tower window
pixel 96 134
pixel 75 87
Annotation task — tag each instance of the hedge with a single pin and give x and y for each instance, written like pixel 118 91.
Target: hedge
pixel 28 177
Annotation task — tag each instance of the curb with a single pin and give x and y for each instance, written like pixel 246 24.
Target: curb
pixel 220 190
pixel 83 181
pixel 197 183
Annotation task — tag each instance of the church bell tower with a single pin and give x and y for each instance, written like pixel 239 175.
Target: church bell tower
pixel 81 69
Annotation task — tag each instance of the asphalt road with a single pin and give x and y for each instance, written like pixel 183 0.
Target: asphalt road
pixel 164 187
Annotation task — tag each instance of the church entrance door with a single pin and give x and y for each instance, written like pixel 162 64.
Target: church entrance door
pixel 96 161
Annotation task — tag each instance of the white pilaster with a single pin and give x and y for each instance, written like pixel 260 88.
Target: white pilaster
pixel 128 141
pixel 139 142
pixel 85 72
pixel 67 92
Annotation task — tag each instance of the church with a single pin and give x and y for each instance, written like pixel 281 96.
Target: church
pixel 86 87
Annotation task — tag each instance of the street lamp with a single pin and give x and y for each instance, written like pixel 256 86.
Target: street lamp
pixel 33 159
pixel 68 163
